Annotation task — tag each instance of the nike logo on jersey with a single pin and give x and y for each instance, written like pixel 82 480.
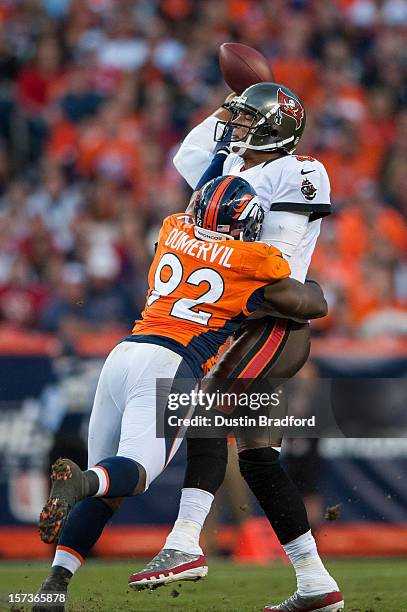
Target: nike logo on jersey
pixel 306 171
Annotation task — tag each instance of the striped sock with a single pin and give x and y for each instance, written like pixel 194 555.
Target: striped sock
pixel 118 476
pixel 81 531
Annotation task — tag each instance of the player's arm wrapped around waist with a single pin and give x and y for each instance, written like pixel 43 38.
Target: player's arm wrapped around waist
pixel 295 300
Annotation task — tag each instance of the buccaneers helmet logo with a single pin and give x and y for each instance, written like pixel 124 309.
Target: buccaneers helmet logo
pixel 289 106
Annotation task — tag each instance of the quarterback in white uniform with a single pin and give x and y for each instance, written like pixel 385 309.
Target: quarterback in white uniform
pixel 261 129
pixel 293 191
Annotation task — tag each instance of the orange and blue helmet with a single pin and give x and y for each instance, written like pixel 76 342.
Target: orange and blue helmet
pixel 227 207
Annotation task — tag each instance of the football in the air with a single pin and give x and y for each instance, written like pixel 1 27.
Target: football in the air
pixel 243 66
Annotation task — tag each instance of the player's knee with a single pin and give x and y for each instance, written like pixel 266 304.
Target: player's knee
pixel 258 439
pixel 207 461
pixel 114 503
pixel 215 447
pixel 142 481
pixel 257 462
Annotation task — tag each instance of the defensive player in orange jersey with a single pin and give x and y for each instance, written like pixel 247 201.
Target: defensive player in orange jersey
pixel 207 275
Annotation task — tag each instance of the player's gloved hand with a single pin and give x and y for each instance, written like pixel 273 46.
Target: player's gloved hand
pixel 230 97
pixel 227 105
pixel 223 112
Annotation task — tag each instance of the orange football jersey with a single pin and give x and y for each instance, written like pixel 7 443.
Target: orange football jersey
pixel 200 291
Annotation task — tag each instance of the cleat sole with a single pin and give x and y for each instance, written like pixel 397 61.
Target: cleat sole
pixel 195 574
pixel 61 470
pixel 60 502
pixel 52 519
pixel 334 607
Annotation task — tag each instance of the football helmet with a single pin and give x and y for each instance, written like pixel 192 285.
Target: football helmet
pixel 277 119
pixel 227 208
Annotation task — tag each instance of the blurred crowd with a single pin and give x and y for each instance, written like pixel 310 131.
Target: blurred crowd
pixel 95 96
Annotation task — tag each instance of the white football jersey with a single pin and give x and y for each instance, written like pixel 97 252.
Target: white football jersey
pixel 293 191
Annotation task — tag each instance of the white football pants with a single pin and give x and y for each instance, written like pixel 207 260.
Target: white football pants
pixel 123 419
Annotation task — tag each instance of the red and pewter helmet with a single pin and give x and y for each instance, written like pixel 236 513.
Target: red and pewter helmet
pixel 278 119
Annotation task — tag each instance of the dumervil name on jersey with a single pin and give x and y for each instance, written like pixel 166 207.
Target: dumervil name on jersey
pixel 211 252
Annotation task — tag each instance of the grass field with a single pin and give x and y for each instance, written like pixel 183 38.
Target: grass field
pixel 368 586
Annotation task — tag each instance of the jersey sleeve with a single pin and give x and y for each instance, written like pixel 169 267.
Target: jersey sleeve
pixel 273 267
pixel 302 187
pixel 261 271
pixel 196 151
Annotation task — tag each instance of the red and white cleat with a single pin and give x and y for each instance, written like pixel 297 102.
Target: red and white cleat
pixel 329 602
pixel 169 566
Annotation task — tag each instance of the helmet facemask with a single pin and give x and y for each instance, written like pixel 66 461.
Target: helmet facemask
pixel 257 134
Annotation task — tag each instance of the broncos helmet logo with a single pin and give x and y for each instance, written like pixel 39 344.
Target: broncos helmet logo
pixel 243 209
pixel 289 106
